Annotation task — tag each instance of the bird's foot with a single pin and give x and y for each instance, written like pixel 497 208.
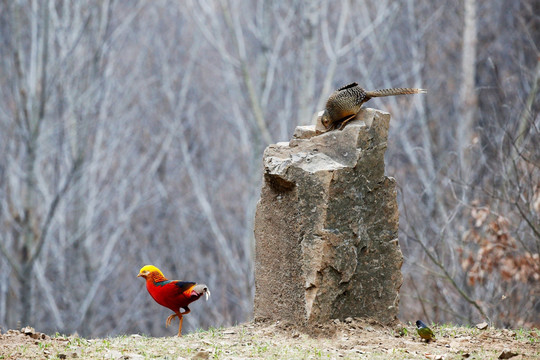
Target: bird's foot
pixel 170 319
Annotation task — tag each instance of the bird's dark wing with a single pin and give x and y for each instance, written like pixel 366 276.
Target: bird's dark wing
pixel 183 285
pixel 348 86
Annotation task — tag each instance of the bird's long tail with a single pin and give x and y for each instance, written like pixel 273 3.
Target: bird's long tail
pixel 395 91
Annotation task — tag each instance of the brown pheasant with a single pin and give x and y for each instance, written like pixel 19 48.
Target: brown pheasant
pixel 344 103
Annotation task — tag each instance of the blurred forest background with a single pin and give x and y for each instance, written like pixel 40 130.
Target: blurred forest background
pixel 132 132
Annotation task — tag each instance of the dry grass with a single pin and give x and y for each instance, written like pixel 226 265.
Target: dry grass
pixel 354 339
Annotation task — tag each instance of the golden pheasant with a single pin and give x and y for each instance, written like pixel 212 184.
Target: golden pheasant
pixel 172 294
pixel 344 104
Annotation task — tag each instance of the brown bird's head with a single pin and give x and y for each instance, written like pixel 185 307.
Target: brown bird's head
pixel 149 270
pixel 326 120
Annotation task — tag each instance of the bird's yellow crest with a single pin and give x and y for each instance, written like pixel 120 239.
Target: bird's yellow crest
pixel 150 269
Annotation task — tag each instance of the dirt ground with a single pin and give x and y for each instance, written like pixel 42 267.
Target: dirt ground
pixel 350 339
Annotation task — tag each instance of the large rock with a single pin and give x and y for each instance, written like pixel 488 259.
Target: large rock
pixel 326 226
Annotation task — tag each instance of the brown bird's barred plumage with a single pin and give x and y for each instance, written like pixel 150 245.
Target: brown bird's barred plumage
pixel 344 103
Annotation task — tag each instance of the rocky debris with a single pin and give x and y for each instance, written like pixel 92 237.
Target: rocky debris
pixel 202 354
pixel 507 354
pixel 482 326
pixel 326 226
pixel 31 332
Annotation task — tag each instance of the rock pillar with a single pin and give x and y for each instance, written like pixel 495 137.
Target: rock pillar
pixel 326 226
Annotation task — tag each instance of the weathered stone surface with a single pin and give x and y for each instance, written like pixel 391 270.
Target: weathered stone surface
pixel 326 226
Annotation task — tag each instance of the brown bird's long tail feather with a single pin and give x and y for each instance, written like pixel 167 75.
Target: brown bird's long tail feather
pixel 202 289
pixel 395 91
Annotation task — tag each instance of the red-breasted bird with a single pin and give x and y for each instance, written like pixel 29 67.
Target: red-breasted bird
pixel 424 331
pixel 172 294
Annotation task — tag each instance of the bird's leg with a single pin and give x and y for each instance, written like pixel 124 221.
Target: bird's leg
pixel 186 312
pixel 345 120
pixel 181 318
pixel 171 317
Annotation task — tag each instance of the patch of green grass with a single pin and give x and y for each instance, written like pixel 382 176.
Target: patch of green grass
pixel 528 335
pixel 43 345
pixel 261 348
pixel 400 332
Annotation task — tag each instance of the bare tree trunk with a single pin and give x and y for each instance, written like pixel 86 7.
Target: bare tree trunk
pixel 25 294
pixel 308 88
pixel 34 117
pixel 468 95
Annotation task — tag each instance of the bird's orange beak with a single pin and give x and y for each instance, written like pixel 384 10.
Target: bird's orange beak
pixel 143 274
